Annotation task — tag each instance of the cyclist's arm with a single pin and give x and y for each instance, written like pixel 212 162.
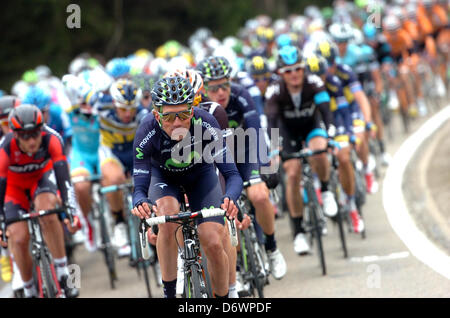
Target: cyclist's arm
pixel 4 164
pixel 141 165
pixel 62 171
pixel 360 97
pixel 322 101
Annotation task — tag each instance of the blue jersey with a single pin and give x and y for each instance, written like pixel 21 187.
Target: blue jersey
pixel 59 121
pixel 86 132
pixel 244 79
pixel 154 149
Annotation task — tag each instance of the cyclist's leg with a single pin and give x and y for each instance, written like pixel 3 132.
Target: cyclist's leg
pixel 166 196
pixel 81 167
pixel 204 192
pixel 112 173
pixel 44 196
pixel 17 203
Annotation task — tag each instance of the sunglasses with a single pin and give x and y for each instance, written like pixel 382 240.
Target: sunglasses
pixel 25 135
pixel 171 116
pixel 260 78
pixel 289 70
pixel 215 88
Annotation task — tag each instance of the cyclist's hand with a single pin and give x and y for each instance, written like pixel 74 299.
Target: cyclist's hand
pixel 246 221
pixel 3 243
pixel 73 227
pixel 142 210
pixel 230 208
pixel 152 237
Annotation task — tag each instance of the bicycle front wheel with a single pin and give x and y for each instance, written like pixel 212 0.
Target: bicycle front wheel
pixel 46 276
pixel 257 282
pixel 195 286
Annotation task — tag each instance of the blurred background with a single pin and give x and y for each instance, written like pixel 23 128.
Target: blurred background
pixel 35 32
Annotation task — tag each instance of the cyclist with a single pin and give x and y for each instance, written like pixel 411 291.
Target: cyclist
pixel 7 103
pixel 159 136
pixel 298 104
pixel 241 112
pixel 348 56
pixel 318 65
pixel 54 115
pixel 32 160
pixel 118 124
pixel 84 160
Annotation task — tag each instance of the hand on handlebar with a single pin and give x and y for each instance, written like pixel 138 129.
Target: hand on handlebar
pixel 230 208
pixel 143 210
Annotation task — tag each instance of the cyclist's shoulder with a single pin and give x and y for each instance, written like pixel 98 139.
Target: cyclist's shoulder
pixel 275 89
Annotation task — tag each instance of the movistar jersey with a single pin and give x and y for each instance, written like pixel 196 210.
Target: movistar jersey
pixel 203 148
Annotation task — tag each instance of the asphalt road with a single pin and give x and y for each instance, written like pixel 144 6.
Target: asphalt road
pixel 378 266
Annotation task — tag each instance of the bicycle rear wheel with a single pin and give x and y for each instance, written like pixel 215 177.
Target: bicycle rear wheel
pixel 195 286
pixel 108 250
pixel 252 265
pixel 46 276
pixel 316 226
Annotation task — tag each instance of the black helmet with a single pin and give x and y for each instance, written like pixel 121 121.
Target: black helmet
pixel 172 91
pixel 214 68
pixel 25 117
pixel 7 104
pixel 257 66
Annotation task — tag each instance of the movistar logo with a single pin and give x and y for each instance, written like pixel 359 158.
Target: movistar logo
pixel 255 172
pixel 140 154
pixel 233 124
pixel 197 121
pixel 172 162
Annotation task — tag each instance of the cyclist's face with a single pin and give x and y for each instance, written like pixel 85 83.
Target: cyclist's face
pixel 219 91
pixel 146 100
pixel 342 46
pixel 292 75
pixel 29 145
pixel 178 128
pixel 125 115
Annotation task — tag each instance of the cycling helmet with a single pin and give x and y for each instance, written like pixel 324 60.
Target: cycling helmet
pixel 37 96
pixel 125 94
pixel 288 55
pixel 257 66
pixel 370 31
pixel 341 32
pixel 214 68
pixel 77 65
pixel 145 82
pixel 283 40
pixel 7 104
pixel 118 67
pixel 328 51
pixel 316 64
pixel 411 11
pixel 30 77
pixel 25 117
pixel 391 23
pixel 172 91
pixel 43 71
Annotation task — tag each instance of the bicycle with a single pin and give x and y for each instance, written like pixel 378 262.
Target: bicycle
pixel 136 259
pixel 314 218
pixel 338 192
pixel 360 188
pixel 44 273
pixel 196 278
pixel 252 257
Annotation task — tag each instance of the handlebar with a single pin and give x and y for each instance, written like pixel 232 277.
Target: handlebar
pixel 93 178
pixel 116 187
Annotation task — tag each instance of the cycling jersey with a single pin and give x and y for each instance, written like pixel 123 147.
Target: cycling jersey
pixel 242 113
pixel 217 111
pixel 20 172
pixel 85 142
pixel 339 105
pixel 400 42
pixel 302 120
pixel 244 79
pixel 116 138
pixel 352 56
pixel 154 155
pixel 59 121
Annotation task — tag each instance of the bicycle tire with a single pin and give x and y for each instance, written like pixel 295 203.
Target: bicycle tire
pixel 316 228
pixel 337 190
pixel 108 251
pixel 195 285
pixel 255 282
pixel 141 263
pixel 205 273
pixel 48 284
